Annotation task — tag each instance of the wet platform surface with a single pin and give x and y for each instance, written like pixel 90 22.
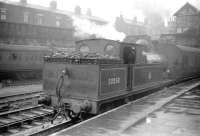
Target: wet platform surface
pixel 18 90
pixel 171 112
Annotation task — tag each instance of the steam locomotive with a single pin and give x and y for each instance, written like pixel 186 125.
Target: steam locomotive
pixel 103 74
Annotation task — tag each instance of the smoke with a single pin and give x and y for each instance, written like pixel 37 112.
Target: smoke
pixel 155 12
pixel 85 29
pixel 155 7
pixel 160 10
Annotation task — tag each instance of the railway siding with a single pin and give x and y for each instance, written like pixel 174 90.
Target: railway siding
pixel 16 97
pixel 19 122
pixel 22 115
pixel 138 117
pixel 17 90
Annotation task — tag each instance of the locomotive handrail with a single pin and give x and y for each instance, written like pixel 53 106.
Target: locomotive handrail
pixel 61 107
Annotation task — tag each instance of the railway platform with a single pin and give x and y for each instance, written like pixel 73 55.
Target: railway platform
pixel 173 111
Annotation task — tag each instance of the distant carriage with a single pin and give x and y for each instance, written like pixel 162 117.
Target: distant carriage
pixel 182 61
pixel 22 62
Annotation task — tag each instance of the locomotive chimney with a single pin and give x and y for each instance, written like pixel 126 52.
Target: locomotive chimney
pixel 77 10
pixel 89 12
pixel 23 1
pixel 53 4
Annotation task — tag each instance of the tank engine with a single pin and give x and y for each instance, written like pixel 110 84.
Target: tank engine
pixel 101 75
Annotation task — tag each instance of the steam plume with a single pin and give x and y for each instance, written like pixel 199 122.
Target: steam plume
pixel 85 28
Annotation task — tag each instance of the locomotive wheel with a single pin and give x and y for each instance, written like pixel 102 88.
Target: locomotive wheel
pixel 73 116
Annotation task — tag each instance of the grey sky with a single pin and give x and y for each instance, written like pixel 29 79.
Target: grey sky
pixel 109 9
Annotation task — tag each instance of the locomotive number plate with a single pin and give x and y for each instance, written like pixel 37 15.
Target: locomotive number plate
pixel 113 79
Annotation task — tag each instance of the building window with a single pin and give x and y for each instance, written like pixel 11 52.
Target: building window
pixel 12 56
pixel 3 12
pixel 185 29
pixel 179 30
pixel 39 19
pixel 26 17
pixel 58 21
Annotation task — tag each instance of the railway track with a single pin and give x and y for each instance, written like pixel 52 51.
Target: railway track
pixel 22 114
pixel 12 122
pixel 17 101
pixel 17 97
pixel 32 121
pixel 180 116
pixel 10 83
pixel 35 120
pixel 188 103
pixel 145 100
pixel 171 111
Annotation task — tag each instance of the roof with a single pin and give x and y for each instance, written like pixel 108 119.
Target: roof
pixel 92 18
pixel 139 36
pixel 187 5
pixel 24 47
pixel 93 39
pixel 132 22
pixel 185 35
pixel 48 9
pixel 27 5
pixel 188 49
pixel 109 40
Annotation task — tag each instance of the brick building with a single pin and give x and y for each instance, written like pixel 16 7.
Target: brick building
pixel 184 26
pixel 88 16
pixel 27 24
pixel 130 27
pixel 187 17
pixel 23 23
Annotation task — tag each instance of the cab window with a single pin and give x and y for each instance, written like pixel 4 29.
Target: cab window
pixel 109 51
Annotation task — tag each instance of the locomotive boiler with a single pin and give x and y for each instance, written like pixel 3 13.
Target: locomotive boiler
pixel 101 75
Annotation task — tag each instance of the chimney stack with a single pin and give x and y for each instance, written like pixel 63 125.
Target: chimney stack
pixel 77 10
pixel 23 1
pixel 135 19
pixel 53 4
pixel 89 12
